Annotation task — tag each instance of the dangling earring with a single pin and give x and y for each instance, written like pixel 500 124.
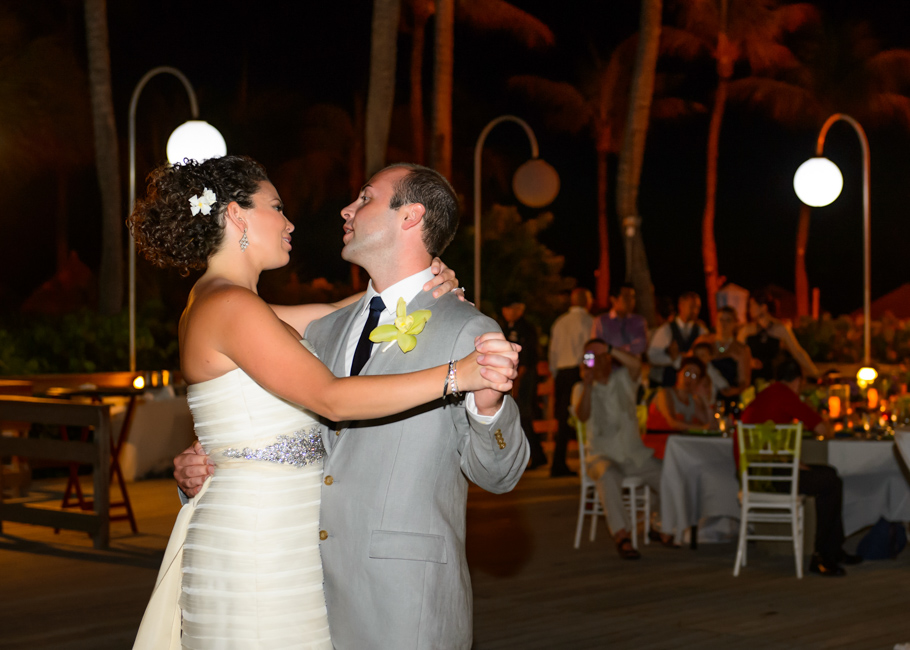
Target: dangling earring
pixel 244 242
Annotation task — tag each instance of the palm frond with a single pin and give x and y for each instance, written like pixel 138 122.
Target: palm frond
pixel 566 108
pixel 890 70
pixel 782 102
pixel 498 15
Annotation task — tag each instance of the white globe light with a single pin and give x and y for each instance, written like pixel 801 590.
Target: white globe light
pixel 197 140
pixel 535 183
pixel 818 182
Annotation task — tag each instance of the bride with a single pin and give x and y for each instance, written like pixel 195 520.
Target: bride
pixel 242 567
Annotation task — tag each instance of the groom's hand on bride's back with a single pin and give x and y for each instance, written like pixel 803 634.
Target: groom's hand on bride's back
pixel 191 468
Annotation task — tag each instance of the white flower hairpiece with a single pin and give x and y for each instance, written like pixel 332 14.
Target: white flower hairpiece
pixel 203 203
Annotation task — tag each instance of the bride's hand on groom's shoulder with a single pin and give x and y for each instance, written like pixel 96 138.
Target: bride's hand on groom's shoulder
pixel 191 468
pixel 444 281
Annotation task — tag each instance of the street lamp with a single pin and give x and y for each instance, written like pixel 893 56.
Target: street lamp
pixel 535 184
pixel 194 139
pixel 818 182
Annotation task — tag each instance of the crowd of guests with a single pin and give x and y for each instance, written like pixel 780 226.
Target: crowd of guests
pixel 610 370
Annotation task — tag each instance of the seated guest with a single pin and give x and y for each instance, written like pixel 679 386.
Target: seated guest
pixel 780 403
pixel 673 340
pixel 771 340
pixel 730 358
pixel 621 327
pixel 677 408
pixel 604 400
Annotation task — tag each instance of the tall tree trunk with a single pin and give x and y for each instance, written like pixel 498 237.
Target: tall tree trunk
pixel 725 59
pixel 632 155
pixel 107 158
pixel 381 93
pixel 708 245
pixel 422 12
pixel 442 86
pixel 603 267
pixel 802 280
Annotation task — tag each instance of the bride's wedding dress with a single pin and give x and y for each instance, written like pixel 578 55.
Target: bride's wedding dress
pixel 242 568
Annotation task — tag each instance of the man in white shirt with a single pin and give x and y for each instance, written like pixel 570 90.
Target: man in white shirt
pixel 567 342
pixel 672 340
pixel 605 401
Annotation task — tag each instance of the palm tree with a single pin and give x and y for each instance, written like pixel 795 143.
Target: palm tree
pixel 381 92
pixel 747 31
pixel 849 72
pixel 633 151
pixel 107 159
pixel 599 105
pixel 483 15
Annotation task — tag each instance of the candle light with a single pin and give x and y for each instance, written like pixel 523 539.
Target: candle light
pixel 834 406
pixel 872 396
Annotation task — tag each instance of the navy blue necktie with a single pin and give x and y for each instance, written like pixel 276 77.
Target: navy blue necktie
pixel 365 345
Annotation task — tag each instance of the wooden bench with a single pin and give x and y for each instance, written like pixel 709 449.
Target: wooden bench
pixel 96 452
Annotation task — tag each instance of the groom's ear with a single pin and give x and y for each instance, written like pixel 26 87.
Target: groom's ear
pixel 413 215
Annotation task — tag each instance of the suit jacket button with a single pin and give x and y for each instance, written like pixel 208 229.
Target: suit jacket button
pixel 323 535
pixel 329 480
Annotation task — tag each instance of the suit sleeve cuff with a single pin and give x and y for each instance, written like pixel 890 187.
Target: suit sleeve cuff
pixel 471 408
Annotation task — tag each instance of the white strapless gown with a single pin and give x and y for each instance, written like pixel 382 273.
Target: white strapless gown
pixel 242 568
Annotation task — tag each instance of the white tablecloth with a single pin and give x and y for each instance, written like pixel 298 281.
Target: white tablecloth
pixel 699 482
pixel 874 485
pixel 162 427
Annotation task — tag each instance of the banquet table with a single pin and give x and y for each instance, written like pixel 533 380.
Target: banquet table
pixel 698 481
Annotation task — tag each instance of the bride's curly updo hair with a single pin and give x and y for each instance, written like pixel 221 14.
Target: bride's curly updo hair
pixel 166 231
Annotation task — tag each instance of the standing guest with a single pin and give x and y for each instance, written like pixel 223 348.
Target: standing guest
pixel 780 403
pixel 771 340
pixel 519 330
pixel 674 339
pixel 730 358
pixel 620 327
pixel 613 448
pixel 567 342
pixel 677 408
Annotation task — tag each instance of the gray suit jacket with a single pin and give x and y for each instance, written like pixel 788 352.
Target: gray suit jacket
pixel 395 493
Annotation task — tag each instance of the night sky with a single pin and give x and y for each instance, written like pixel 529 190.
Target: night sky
pixel 282 81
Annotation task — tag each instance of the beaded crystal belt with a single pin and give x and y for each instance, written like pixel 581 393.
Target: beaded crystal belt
pixel 299 449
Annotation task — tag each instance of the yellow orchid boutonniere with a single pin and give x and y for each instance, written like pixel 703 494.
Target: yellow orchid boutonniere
pixel 405 329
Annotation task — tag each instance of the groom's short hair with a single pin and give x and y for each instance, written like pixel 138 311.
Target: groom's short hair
pixel 430 189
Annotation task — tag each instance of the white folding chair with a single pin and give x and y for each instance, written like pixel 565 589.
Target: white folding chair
pixel 769 457
pixel 589 502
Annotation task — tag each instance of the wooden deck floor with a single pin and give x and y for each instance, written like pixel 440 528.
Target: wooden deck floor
pixel 532 589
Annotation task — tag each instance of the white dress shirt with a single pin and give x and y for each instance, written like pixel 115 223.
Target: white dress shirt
pixel 407 289
pixel 568 336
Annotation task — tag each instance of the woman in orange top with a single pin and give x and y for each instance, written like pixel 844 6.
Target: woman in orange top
pixel 678 408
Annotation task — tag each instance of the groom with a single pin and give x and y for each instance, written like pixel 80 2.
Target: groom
pixel 395 490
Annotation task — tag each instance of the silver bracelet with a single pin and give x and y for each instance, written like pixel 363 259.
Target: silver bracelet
pixel 454 379
pixel 449 375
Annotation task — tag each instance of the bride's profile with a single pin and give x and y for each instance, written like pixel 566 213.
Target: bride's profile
pixel 242 567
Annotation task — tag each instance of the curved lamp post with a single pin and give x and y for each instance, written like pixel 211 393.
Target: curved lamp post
pixel 194 139
pixel 535 184
pixel 818 182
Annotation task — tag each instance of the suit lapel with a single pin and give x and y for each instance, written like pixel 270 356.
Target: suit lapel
pixel 336 356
